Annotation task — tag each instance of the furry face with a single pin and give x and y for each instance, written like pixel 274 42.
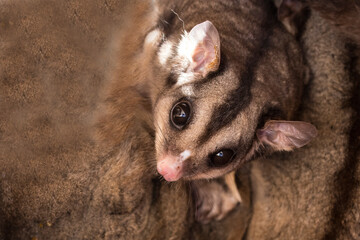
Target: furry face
pixel 221 99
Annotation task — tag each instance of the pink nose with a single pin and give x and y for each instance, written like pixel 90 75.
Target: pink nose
pixel 170 168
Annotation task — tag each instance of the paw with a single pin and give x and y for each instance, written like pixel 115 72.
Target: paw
pixel 213 200
pixel 214 207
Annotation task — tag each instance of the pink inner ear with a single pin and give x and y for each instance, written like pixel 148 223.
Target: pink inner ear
pixel 286 135
pixel 205 55
pixel 198 58
pixel 199 54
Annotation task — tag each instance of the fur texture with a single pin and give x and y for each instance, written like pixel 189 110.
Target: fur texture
pixel 344 15
pixel 55 184
pixel 310 192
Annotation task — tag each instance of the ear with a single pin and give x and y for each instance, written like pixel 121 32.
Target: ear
pixel 286 135
pixel 202 48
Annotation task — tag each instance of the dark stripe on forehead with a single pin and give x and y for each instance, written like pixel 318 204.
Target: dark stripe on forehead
pixel 239 98
pixel 171 80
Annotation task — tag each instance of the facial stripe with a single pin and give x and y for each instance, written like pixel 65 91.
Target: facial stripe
pixel 239 98
pixel 171 80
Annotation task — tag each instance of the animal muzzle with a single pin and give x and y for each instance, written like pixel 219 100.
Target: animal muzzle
pixel 170 167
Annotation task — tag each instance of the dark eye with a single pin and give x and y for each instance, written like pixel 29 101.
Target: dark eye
pixel 180 114
pixel 222 157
